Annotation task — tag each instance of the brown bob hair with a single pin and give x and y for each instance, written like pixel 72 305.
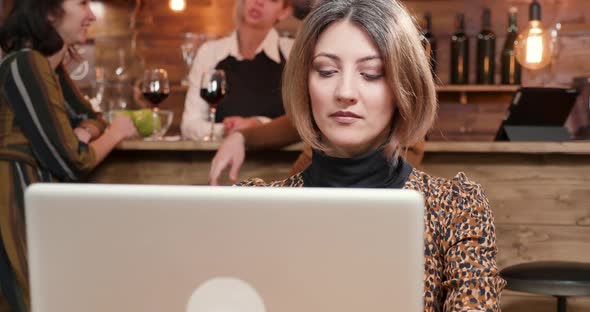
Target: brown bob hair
pixel 407 70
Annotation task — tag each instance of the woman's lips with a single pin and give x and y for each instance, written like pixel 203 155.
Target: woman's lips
pixel 345 117
pixel 254 13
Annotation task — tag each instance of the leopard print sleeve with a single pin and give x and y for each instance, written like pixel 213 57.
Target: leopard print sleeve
pixel 293 181
pixel 252 182
pixel 470 274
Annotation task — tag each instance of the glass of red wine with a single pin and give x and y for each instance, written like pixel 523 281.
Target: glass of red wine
pixel 155 86
pixel 213 89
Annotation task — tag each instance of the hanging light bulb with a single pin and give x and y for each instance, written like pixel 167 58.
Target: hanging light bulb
pixel 177 5
pixel 533 47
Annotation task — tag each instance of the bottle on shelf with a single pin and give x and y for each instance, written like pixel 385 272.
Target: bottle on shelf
pixel 511 70
pixel 429 42
pixel 486 51
pixel 459 53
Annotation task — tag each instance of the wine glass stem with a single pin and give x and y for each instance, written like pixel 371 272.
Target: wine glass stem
pixel 212 111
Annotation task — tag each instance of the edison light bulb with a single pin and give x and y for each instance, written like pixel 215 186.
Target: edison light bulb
pixel 533 47
pixel 177 5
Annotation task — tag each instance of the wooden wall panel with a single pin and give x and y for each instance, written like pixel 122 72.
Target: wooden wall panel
pixel 159 34
pixel 540 206
pixel 522 243
pixel 476 121
pixel 187 167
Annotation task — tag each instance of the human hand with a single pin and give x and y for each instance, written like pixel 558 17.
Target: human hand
pixel 91 128
pixel 231 154
pixel 123 127
pixel 83 135
pixel 233 123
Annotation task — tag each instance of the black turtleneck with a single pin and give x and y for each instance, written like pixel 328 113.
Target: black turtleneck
pixel 370 170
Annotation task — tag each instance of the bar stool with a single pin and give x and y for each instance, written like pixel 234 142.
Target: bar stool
pixel 555 278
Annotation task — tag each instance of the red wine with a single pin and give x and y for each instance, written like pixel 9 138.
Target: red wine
pixel 155 97
pixel 212 97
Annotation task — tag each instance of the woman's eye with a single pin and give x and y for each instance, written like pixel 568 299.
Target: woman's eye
pixel 371 77
pixel 326 73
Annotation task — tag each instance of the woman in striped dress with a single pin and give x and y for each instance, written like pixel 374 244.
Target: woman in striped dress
pixel 48 131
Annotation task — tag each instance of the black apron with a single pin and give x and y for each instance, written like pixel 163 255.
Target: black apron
pixel 253 87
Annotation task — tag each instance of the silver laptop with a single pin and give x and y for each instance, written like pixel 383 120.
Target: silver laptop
pixel 154 248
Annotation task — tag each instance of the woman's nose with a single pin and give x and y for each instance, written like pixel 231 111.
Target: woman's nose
pixel 91 15
pixel 346 90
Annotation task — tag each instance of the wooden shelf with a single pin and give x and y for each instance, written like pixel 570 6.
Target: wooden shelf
pixel 176 87
pixel 464 90
pixel 477 88
pixel 570 147
pixel 565 148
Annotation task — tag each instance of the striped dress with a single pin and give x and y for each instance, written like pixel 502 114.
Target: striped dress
pixel 39 108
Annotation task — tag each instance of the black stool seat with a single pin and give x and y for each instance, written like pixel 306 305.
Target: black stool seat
pixel 555 278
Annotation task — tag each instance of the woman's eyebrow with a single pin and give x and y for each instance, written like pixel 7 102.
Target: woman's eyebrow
pixel 328 55
pixel 337 59
pixel 368 58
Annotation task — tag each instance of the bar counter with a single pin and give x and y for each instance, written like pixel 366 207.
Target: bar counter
pixel 573 147
pixel 539 192
pixel 187 162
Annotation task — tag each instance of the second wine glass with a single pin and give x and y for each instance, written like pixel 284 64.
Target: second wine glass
pixel 213 89
pixel 155 86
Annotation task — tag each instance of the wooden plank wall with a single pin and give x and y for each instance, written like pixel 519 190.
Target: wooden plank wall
pixel 540 206
pixel 159 33
pixel 160 29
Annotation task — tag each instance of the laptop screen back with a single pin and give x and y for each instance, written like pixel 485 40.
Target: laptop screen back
pixel 223 249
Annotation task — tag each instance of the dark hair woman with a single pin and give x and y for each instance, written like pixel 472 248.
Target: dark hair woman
pixel 48 131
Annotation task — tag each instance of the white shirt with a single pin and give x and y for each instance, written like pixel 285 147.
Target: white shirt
pixel 195 122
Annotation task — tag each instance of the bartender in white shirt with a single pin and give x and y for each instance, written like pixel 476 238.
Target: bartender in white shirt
pixel 252 57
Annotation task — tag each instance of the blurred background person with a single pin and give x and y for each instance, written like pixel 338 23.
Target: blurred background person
pixel 48 131
pixel 253 57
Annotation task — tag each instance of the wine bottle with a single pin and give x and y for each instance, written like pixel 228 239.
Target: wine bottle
pixel 460 53
pixel 486 51
pixel 430 41
pixel 511 69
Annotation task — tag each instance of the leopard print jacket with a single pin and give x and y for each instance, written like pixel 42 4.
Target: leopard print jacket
pixel 460 272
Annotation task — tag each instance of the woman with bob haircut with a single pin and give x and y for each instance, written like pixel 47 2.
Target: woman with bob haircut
pixel 358 86
pixel 253 57
pixel 48 131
